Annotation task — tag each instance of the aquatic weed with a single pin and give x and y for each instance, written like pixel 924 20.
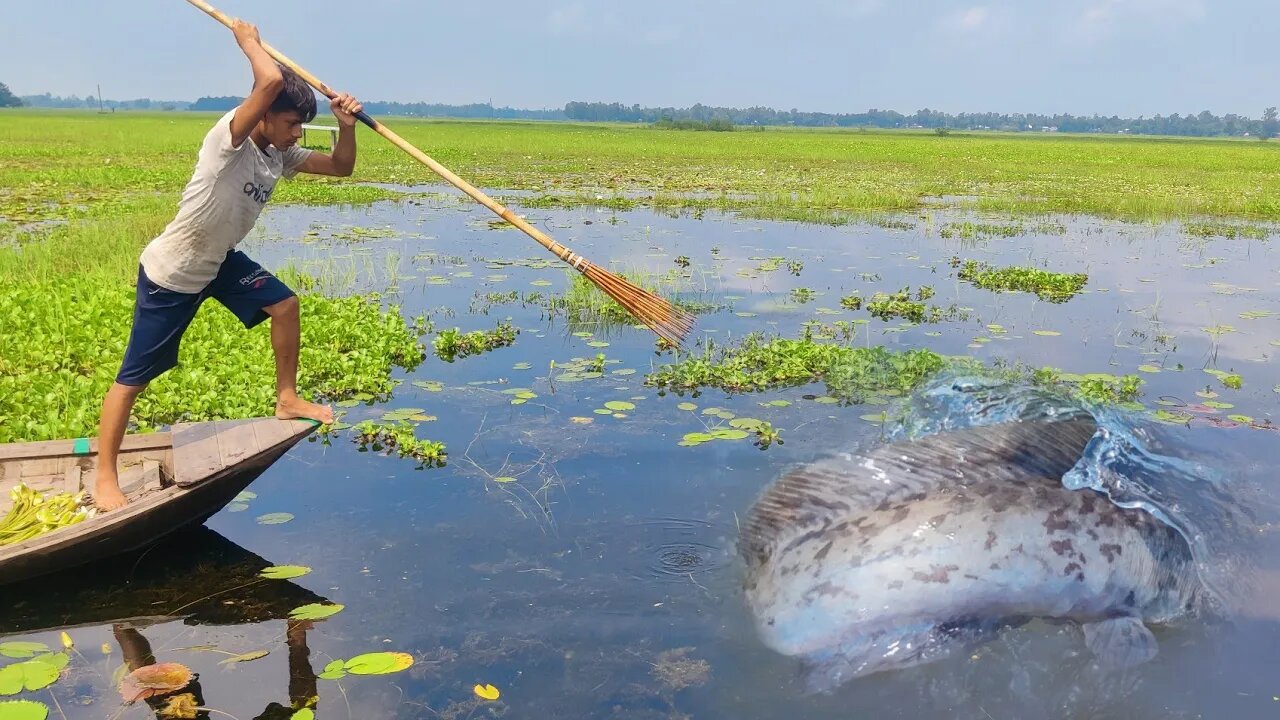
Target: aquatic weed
pixel 1050 286
pixel 757 364
pixel 399 438
pixel 453 343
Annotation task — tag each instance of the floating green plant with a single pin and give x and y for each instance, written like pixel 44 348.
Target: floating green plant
pixel 1050 286
pixel 758 363
pixel 1101 388
pixel 452 343
pixel 399 438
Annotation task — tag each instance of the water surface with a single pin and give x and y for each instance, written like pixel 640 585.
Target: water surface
pixel 603 581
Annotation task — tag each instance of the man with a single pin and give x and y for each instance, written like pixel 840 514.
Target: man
pixel 194 258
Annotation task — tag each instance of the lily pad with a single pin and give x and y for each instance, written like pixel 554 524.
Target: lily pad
pixel 687 406
pixel 334 670
pixel 777 403
pixel 429 385
pixel 23 710
pixel 1172 418
pixel 504 479
pixel 1148 369
pixel 729 434
pixel 11 679
pixel 620 405
pixel 598 344
pixel 486 692
pixel 1241 419
pixel 1047 333
pixel 315 611
pixel 751 424
pixel 826 400
pixel 521 366
pixel 284 572
pixel 151 680
pixel 245 657
pixel 378 663
pixel 277 518
pixel 22 649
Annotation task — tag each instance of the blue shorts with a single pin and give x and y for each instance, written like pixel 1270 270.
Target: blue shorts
pixel 161 316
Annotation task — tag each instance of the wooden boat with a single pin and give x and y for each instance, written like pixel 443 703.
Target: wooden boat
pixel 172 479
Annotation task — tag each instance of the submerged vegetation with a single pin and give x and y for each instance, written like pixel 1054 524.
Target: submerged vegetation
pixel 585 305
pixel 1050 286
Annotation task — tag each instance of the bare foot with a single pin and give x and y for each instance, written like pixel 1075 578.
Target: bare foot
pixel 288 408
pixel 106 493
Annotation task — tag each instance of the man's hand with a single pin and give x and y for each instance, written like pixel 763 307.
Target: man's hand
pixel 246 33
pixel 344 108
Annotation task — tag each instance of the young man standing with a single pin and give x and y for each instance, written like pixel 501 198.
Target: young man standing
pixel 194 258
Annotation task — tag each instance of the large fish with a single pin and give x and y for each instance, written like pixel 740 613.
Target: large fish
pixel 894 558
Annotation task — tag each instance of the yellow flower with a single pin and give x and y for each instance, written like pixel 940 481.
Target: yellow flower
pixel 181 707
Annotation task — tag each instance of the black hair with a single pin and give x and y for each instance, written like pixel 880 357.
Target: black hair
pixel 296 95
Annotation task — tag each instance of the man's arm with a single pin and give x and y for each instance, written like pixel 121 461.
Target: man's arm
pixel 267 83
pixel 343 160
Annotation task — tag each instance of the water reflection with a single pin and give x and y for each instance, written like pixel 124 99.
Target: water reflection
pixel 195 577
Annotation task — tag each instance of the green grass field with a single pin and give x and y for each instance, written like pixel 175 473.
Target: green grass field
pixel 112 181
pixel 78 164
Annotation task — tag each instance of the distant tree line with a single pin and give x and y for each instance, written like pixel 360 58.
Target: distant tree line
pixel 718 124
pixel 7 98
pixel 472 110
pixel 1203 124
pixel 91 101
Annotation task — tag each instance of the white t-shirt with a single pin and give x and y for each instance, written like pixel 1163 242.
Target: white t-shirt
pixel 219 206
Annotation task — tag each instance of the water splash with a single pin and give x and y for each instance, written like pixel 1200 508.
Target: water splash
pixel 1135 462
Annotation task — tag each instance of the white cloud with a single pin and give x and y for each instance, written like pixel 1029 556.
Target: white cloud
pixel 972 21
pixel 1102 16
pixel 975 18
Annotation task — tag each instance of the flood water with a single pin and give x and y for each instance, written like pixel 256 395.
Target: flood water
pixel 604 581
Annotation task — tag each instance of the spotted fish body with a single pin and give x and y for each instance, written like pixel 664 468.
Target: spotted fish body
pixel 897 557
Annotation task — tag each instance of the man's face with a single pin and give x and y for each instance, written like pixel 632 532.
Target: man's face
pixel 282 129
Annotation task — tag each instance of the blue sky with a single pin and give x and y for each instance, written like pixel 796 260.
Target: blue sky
pixel 1123 57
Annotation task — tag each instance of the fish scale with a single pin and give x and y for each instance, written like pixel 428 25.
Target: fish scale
pixel 896 557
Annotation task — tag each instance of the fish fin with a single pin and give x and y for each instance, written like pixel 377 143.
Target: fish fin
pixel 1120 642
pixel 814 497
pixel 825 671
